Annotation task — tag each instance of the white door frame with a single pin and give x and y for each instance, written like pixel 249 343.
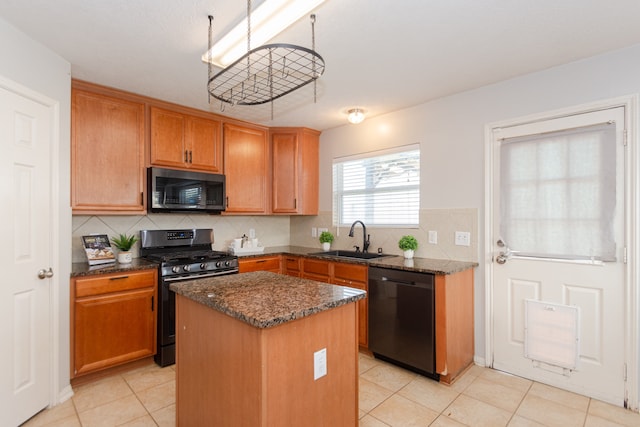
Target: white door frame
pixel 632 231
pixel 55 395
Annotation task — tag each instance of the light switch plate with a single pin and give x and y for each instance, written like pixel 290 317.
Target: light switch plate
pixel 433 237
pixel 319 363
pixel 314 232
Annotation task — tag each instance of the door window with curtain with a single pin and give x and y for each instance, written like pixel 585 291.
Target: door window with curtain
pixel 381 188
pixel 559 195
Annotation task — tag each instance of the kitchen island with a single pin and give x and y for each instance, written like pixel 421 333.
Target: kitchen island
pixel 263 349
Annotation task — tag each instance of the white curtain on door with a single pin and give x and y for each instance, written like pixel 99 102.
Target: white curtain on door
pixel 559 193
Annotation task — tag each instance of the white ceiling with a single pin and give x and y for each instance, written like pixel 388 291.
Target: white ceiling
pixel 381 55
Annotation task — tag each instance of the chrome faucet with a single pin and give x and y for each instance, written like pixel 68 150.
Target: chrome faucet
pixel 365 236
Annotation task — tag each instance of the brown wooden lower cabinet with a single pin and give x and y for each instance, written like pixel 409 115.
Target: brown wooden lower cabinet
pixel 454 303
pixel 454 324
pixel 291 265
pixel 113 320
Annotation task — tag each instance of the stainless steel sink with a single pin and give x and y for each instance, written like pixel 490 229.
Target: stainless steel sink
pixel 350 254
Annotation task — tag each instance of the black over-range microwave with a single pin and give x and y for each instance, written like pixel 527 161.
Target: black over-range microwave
pixel 185 191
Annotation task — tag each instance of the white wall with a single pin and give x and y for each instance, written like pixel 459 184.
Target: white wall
pixel 32 65
pixel 451 135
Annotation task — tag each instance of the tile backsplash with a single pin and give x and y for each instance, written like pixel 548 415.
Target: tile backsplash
pixel 295 230
pixel 445 222
pixel 270 230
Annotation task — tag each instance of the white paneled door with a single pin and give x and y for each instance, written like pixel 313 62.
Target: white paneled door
pixel 25 218
pixel 557 239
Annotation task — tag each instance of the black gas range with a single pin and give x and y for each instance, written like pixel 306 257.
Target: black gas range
pixel 182 255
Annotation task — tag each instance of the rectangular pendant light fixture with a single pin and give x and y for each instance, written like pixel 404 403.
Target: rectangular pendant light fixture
pixel 267 20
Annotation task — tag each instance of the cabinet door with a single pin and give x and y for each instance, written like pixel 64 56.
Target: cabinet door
pixel 284 149
pixel 107 154
pixel 167 139
pixel 295 157
pixel 315 269
pixel 113 329
pixel 355 276
pixel 204 144
pixel 246 156
pixel 291 266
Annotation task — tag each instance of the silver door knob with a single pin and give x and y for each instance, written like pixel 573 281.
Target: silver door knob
pixel 502 258
pixel 45 274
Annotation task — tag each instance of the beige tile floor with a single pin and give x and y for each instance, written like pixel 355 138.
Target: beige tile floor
pixel 389 396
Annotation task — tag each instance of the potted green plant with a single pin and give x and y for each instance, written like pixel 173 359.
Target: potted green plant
pixel 326 238
pixel 408 244
pixel 124 243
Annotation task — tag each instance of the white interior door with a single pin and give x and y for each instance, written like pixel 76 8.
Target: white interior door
pixel 561 202
pixel 25 354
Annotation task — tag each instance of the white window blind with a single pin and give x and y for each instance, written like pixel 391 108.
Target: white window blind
pixel 558 193
pixel 380 189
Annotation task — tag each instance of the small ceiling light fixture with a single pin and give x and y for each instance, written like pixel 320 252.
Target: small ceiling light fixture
pixel 264 73
pixel 355 116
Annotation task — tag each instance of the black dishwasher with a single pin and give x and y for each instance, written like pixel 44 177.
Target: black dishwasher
pixel 402 319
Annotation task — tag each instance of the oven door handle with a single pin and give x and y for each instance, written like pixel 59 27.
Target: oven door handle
pixel 199 276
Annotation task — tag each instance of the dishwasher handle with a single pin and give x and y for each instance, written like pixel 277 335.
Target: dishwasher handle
pixel 399 282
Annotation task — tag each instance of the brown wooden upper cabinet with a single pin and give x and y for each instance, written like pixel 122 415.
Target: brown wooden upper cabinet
pixel 107 152
pixel 295 170
pixel 185 141
pixel 246 166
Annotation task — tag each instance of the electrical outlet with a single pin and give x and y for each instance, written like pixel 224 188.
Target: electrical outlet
pixel 314 232
pixel 252 233
pixel 319 363
pixel 463 238
pixel 433 237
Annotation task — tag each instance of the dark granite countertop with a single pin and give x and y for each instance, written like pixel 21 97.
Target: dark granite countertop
pixel 419 265
pixel 79 269
pixel 263 299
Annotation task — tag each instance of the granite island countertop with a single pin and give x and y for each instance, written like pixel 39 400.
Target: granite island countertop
pixel 264 299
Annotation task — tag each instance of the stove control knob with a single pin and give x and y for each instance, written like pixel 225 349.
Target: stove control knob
pixel 226 263
pixel 203 266
pixel 186 268
pixel 218 264
pixel 175 269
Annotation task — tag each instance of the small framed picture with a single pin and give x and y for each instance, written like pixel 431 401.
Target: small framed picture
pixel 98 249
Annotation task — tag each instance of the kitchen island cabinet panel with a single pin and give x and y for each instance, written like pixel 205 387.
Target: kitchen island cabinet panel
pixel 230 373
pixel 107 152
pixel 246 166
pixel 113 320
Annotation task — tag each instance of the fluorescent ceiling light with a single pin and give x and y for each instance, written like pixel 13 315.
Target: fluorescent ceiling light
pixel 267 20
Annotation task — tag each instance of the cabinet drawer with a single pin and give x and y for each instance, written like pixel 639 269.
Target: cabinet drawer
pixel 315 267
pixel 116 282
pixel 350 272
pixel 260 264
pixel 291 264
